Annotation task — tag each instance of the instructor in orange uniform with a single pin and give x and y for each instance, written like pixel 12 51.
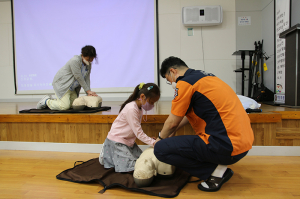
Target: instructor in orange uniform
pixel 222 126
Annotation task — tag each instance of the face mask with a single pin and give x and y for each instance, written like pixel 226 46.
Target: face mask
pixel 147 106
pixel 86 62
pixel 173 82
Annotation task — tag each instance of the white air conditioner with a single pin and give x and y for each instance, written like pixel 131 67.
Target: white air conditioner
pixel 202 15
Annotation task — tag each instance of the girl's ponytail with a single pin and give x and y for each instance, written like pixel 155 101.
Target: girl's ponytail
pixel 131 98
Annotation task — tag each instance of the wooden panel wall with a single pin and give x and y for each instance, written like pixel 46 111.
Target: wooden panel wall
pixel 54 132
pixel 288 133
pixel 285 133
pixel 266 117
pixel 264 134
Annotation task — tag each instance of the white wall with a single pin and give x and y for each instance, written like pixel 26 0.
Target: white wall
pixel 261 28
pixel 219 42
pixel 246 36
pixel 6 52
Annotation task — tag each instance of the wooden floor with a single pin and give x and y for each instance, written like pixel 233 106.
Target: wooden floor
pixel 31 174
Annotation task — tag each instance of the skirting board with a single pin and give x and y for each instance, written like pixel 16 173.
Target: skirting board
pixel 96 148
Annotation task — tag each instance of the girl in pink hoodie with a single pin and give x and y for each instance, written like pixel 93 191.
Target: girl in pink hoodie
pixel 119 149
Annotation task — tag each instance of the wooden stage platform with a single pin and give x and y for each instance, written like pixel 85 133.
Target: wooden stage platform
pixel 275 126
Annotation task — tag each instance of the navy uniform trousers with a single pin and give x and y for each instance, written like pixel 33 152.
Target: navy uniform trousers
pixel 191 154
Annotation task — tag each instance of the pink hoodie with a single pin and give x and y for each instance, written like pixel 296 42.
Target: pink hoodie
pixel 127 126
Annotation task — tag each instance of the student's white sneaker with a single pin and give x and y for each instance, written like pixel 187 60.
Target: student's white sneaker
pixel 42 103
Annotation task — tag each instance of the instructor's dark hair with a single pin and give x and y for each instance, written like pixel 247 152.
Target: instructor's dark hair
pixel 150 90
pixel 171 62
pixel 89 51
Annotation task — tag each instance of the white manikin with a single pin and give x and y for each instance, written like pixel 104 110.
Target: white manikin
pixel 147 166
pixel 89 101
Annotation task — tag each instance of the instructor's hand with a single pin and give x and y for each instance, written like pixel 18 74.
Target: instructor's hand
pixel 157 139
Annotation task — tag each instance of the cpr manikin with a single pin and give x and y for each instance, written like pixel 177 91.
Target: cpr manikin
pixel 89 101
pixel 147 166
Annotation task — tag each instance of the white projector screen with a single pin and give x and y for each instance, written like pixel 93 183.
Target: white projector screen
pixel 48 33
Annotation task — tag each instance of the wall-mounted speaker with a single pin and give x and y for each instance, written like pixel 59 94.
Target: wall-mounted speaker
pixel 202 15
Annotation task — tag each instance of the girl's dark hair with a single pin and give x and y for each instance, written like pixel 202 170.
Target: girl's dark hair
pixel 150 90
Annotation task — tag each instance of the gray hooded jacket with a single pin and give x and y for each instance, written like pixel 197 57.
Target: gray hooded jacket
pixel 70 72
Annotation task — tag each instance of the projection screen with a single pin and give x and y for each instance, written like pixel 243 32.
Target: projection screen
pixel 48 33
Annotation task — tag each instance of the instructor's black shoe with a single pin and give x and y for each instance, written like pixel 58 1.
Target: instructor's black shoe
pixel 215 183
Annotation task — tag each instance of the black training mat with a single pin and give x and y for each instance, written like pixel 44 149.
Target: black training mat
pixel 93 171
pixel 85 110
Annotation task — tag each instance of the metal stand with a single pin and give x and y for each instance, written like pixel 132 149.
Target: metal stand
pixel 243 54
